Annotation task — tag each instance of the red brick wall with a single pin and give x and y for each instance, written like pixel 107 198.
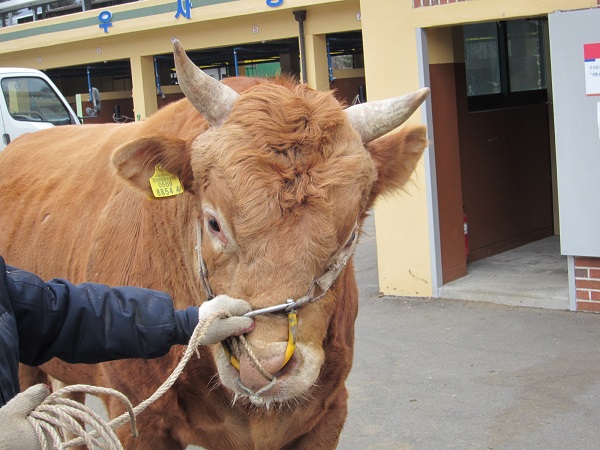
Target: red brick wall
pixel 420 3
pixel 587 284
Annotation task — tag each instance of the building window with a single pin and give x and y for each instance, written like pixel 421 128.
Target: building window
pixel 505 63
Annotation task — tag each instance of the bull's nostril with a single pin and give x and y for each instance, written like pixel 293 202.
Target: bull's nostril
pixel 289 366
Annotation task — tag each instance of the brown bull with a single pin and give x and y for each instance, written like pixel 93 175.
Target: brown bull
pixel 276 177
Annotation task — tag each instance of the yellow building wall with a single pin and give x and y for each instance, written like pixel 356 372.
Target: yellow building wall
pixel 401 220
pixel 473 11
pixel 225 24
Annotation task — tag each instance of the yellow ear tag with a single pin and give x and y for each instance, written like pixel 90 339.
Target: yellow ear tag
pixel 165 184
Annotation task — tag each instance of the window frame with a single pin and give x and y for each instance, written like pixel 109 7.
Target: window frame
pixel 507 98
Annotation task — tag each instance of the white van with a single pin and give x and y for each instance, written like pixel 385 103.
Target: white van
pixel 30 102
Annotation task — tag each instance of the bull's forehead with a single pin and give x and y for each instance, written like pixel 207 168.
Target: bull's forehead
pixel 293 127
pixel 286 151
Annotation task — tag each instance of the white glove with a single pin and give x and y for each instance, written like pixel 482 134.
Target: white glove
pixel 223 327
pixel 16 433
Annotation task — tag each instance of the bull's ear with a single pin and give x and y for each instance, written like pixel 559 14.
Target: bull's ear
pixel 136 161
pixel 395 156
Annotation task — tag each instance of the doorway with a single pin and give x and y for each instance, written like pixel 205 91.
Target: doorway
pixel 494 161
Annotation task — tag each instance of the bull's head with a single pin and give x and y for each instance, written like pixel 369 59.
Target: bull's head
pixel 280 184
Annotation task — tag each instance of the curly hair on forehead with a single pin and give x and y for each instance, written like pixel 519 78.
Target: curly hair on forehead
pixel 285 149
pixel 289 118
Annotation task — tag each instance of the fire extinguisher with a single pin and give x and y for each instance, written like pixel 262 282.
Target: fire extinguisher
pixel 466 231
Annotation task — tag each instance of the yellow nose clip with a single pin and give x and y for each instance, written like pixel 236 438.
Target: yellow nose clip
pixel 289 351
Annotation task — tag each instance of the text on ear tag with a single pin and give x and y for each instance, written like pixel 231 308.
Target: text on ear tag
pixel 165 184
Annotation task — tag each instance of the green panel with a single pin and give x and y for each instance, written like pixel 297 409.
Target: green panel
pixel 264 70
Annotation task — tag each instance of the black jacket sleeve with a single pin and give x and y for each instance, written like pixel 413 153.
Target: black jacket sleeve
pixel 90 323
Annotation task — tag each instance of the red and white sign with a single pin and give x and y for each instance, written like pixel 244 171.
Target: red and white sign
pixel 591 56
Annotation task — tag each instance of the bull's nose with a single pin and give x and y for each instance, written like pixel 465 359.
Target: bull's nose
pixel 253 377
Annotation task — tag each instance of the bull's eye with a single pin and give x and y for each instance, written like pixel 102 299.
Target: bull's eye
pixel 215 228
pixel 213 225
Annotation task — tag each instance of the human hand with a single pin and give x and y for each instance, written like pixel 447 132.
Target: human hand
pixel 223 327
pixel 16 432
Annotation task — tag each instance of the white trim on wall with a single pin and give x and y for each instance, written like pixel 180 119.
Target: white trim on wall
pixel 430 170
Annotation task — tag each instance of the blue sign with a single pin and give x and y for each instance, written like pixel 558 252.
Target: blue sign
pixel 105 18
pixel 184 8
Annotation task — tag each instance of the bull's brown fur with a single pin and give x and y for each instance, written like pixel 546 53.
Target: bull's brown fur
pixel 289 178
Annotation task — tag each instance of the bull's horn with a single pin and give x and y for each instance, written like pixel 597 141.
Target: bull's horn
pixel 376 118
pixel 212 98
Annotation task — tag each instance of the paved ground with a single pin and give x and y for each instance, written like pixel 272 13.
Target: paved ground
pixel 533 275
pixel 451 374
pixel 463 375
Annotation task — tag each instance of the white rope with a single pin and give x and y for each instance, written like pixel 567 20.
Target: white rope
pixel 57 416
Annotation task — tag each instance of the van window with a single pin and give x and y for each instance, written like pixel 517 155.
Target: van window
pixel 31 99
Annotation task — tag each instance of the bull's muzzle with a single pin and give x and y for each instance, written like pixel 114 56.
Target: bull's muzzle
pixel 289 351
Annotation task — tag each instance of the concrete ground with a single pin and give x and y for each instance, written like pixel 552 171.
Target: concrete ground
pixel 432 374
pixel 463 374
pixel 533 275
